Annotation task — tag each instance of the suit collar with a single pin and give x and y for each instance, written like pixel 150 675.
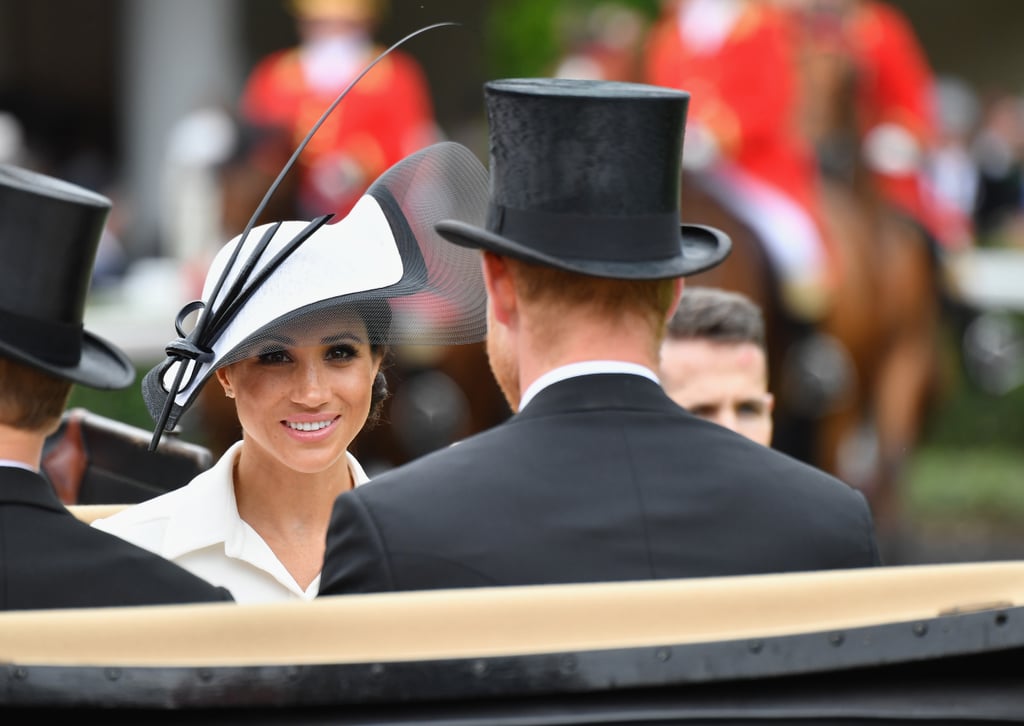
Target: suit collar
pixel 600 391
pixel 583 368
pixel 20 486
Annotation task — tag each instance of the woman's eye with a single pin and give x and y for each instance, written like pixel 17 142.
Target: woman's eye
pixel 274 356
pixel 342 352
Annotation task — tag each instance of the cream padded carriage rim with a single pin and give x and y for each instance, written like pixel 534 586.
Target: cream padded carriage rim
pixel 88 513
pixel 443 624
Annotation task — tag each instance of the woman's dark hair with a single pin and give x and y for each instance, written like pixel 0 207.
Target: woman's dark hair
pixel 380 391
pixel 376 314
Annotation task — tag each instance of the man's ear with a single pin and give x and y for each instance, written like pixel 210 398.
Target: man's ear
pixel 501 289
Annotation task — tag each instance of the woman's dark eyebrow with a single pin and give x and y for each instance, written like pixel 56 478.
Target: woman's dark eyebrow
pixel 286 341
pixel 279 338
pixel 340 337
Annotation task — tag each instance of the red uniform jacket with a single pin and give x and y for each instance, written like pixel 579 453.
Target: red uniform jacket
pixel 386 116
pixel 746 93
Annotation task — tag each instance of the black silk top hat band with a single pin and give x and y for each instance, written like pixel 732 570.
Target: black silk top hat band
pixel 585 176
pixel 50 231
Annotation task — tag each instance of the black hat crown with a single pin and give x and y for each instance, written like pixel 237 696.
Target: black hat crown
pixel 50 231
pixel 585 176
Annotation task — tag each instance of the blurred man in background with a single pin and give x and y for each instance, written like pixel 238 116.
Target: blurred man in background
pixel 386 116
pixel 744 143
pixel 894 101
pixel 714 362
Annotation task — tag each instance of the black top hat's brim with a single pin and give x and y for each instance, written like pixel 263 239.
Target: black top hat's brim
pixel 101 365
pixel 701 248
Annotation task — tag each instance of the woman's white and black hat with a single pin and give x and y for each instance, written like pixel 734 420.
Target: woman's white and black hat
pixel 384 259
pixel 586 176
pixel 50 230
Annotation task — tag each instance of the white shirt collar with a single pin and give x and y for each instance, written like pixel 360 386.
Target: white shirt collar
pixel 18 465
pixel 584 368
pixel 212 510
pixel 198 527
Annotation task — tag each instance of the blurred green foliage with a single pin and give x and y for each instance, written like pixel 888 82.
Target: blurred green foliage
pixel 526 37
pixel 125 405
pixel 968 417
pixel 969 467
pixel 954 486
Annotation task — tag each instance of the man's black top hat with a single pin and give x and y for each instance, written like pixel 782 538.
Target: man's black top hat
pixel 585 176
pixel 49 233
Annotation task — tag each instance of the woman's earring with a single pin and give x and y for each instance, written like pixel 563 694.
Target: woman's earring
pixel 229 393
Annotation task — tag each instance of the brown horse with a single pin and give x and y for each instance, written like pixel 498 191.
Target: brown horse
pixel 893 336
pixel 748 270
pixel 896 352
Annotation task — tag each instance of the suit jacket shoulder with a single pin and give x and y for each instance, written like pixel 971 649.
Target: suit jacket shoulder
pixel 599 478
pixel 52 559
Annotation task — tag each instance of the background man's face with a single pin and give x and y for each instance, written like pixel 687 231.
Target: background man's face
pixel 722 382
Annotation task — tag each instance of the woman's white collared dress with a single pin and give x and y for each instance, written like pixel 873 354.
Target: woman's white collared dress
pixel 198 527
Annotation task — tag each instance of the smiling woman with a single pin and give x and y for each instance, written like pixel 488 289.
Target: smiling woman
pixel 295 325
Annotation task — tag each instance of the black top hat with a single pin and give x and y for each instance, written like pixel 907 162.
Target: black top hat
pixel 585 176
pixel 49 233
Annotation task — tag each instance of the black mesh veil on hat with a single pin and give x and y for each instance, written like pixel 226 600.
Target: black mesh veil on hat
pixel 384 260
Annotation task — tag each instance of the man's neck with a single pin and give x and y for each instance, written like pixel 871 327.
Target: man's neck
pixel 627 344
pixel 22 446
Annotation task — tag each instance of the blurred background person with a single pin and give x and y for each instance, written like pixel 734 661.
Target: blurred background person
pixel 387 115
pixel 200 147
pixel 714 361
pixel 951 168
pixel 602 42
pixel 998 149
pixel 743 139
pixel 895 104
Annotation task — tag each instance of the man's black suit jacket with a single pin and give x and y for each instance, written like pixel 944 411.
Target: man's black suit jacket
pixel 599 478
pixel 50 559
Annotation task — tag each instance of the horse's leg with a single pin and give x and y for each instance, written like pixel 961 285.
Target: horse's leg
pixel 853 322
pixel 908 374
